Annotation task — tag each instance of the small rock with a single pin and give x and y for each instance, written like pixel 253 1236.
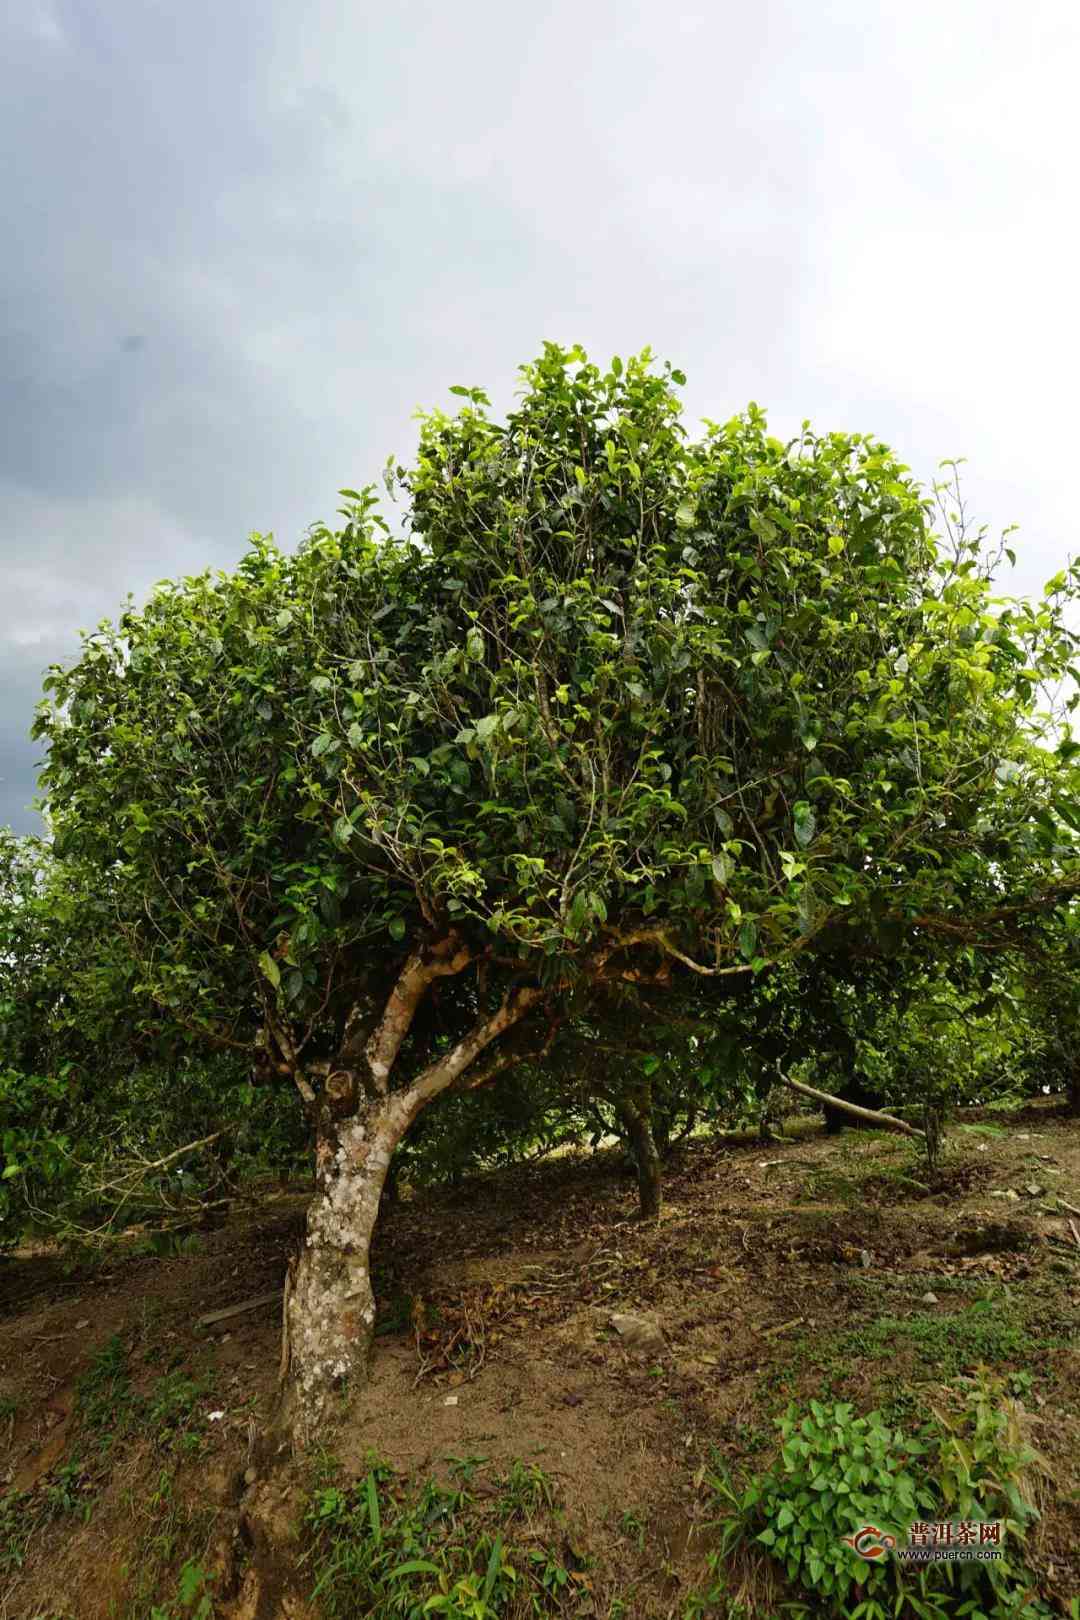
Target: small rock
pixel 83 1323
pixel 929 1299
pixel 1033 1189
pixel 866 1258
pixel 451 1400
pixel 640 1332
pixel 250 1476
pixel 1012 1195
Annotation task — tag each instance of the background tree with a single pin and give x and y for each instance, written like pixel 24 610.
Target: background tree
pixel 96 1088
pixel 618 707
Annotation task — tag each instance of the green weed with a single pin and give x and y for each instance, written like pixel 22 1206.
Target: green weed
pixel 193 1598
pixel 380 1550
pixel 938 1346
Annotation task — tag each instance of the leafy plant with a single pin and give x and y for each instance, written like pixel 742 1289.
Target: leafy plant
pixel 838 1473
pixel 192 1595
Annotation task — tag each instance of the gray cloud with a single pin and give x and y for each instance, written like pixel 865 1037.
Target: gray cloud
pixel 245 241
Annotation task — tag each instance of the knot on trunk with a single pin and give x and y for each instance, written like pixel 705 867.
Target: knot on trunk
pixel 341 1092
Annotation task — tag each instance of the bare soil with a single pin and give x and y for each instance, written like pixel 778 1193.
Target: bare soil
pixel 776 1273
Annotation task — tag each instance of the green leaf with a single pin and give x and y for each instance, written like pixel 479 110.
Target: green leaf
pixel 414 1566
pixel 270 969
pixel 805 823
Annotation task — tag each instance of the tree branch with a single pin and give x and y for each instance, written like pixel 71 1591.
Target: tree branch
pixel 886 1121
pixel 421 968
pixel 439 1076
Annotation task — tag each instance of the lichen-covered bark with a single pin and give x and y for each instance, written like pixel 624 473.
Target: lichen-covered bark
pixel 330 1307
pixel 330 1315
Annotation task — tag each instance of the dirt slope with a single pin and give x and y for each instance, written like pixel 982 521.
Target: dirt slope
pixel 133 1439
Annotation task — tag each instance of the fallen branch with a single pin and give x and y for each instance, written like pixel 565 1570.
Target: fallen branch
pixel 1072 1209
pixel 783 1327
pixel 885 1121
pixel 238 1310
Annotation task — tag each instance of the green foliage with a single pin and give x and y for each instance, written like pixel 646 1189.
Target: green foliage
pixel 172 1411
pixel 106 1403
pixel 618 712
pixel 108 1410
pixel 108 1407
pixel 193 1596
pixel 381 1551
pixel 91 1087
pixel 730 696
pixel 837 1472
pixel 35 1153
pixel 65 1493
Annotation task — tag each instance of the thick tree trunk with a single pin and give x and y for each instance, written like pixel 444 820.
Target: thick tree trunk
pixel 330 1312
pixel 635 1111
pixel 330 1305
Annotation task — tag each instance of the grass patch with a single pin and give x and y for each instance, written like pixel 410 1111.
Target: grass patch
pixel 891 1176
pixel 987 1332
pixel 108 1409
pixel 921 1347
pixel 382 1549
pixel 170 1529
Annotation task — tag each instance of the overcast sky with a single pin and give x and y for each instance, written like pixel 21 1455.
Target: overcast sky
pixel 243 242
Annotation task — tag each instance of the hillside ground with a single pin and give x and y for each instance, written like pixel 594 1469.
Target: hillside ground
pixel 132 1453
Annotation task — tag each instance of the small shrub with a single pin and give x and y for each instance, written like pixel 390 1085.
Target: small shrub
pixel 192 1595
pixel 837 1473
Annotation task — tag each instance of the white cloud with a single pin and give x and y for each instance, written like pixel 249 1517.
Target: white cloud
pixel 315 218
